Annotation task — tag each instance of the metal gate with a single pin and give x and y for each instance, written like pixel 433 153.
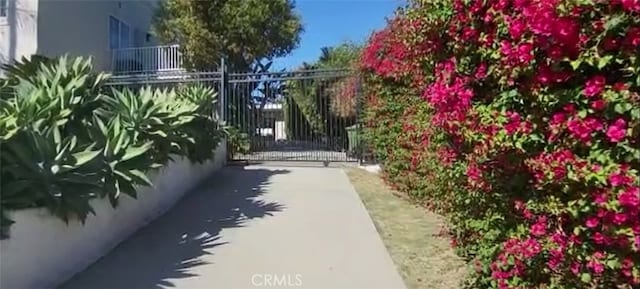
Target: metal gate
pixel 304 115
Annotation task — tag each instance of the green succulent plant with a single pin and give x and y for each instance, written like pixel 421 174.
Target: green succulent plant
pixel 67 137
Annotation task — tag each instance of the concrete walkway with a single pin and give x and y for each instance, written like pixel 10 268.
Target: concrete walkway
pixel 254 227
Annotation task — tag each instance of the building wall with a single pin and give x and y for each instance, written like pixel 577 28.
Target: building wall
pixel 42 251
pixel 18 31
pixel 81 28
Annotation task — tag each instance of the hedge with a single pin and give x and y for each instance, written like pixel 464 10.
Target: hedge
pixel 518 120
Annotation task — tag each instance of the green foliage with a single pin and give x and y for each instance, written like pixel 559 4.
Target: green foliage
pixel 238 142
pixel 341 56
pixel 324 104
pixel 242 31
pixel 65 138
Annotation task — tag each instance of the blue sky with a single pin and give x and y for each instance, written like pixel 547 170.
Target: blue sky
pixel 330 22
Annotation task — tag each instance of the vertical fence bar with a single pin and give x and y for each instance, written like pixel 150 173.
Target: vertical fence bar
pixel 358 137
pixel 222 102
pixel 223 87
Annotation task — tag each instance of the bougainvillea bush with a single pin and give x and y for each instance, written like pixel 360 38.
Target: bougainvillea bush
pixel 518 120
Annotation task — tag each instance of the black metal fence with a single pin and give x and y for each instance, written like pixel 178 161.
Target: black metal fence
pixel 305 115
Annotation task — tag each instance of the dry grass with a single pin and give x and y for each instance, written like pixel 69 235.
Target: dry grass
pixel 423 257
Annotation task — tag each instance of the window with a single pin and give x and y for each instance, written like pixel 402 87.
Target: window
pixel 119 33
pixel 4 7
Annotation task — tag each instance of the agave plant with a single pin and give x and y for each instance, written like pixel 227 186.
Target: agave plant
pixel 44 92
pixel 205 99
pixel 45 168
pixel 46 154
pixel 123 162
pixel 238 141
pixel 201 134
pixel 145 116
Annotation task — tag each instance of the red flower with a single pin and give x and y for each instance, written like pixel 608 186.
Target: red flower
pixel 599 104
pixel 620 86
pixel 566 31
pixel 610 43
pixel 632 38
pixel 617 131
pixel 555 52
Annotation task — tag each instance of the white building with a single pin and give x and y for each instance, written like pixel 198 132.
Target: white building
pixel 115 33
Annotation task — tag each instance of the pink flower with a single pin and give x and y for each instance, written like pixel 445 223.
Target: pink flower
pixel 617 131
pixel 619 179
pixel 599 238
pixel 513 124
pixel 627 264
pixel 505 48
pixel 540 227
pixel 631 5
pixel 557 118
pixel 594 86
pixel 575 268
pixel 516 29
pixel 473 172
pixel 592 222
pixel 481 72
pixel 619 218
pixel 630 197
pixel 469 33
pixel 524 53
pixel 600 199
pixel 569 108
pixel 582 129
pixel 596 266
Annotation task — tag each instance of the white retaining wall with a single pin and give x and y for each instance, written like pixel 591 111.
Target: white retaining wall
pixel 42 251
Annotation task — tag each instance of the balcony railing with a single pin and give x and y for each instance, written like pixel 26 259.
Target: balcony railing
pixel 152 59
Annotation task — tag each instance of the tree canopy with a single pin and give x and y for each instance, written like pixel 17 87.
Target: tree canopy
pixel 241 31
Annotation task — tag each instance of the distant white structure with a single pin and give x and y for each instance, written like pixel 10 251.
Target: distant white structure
pixel 274 122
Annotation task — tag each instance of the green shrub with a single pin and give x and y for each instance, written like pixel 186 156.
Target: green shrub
pixel 67 138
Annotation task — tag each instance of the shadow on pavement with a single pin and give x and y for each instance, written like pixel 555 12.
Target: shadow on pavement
pixel 174 243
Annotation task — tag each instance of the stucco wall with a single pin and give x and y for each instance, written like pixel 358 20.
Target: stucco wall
pixel 42 251
pixel 81 28
pixel 18 30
